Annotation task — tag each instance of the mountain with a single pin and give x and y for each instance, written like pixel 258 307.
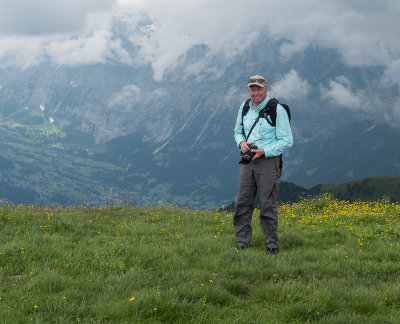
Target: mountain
pixel 110 133
pixel 359 150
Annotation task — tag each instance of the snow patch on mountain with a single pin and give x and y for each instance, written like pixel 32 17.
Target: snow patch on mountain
pixel 150 28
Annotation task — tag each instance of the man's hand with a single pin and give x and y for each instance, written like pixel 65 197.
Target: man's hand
pixel 259 153
pixel 245 146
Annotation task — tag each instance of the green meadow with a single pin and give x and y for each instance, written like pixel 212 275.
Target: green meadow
pixel 338 263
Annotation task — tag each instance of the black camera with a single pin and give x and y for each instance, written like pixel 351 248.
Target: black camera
pixel 246 157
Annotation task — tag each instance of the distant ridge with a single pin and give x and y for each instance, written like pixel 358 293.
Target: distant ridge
pixel 366 189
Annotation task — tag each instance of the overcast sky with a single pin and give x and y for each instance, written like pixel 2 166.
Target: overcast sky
pixel 364 32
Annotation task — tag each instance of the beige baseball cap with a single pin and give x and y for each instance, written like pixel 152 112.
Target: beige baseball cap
pixel 257 80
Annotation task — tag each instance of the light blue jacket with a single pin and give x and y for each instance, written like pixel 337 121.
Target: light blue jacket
pixel 273 140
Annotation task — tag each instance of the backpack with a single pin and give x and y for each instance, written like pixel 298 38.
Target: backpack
pixel 268 112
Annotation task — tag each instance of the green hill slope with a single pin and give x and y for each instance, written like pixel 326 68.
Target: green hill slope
pixel 367 189
pixel 338 263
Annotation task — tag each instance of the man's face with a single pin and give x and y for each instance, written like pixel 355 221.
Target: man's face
pixel 257 94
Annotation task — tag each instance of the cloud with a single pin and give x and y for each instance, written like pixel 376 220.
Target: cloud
pixel 184 25
pixel 392 73
pixel 98 45
pixel 68 32
pixel 131 96
pixel 362 32
pixel 339 93
pixel 21 52
pixel 72 32
pixel 47 17
pixel 291 86
pixel 127 97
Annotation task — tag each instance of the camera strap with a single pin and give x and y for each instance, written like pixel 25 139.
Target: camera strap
pixel 251 129
pixel 263 113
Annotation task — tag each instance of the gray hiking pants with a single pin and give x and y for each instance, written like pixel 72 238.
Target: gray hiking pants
pixel 261 175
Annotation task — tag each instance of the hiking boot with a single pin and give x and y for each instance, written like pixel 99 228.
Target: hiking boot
pixel 243 246
pixel 272 250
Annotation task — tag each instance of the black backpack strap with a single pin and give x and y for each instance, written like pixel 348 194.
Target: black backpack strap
pixel 270 111
pixel 271 108
pixel 245 109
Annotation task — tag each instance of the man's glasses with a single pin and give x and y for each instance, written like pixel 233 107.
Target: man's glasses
pixel 257 80
pixel 256 89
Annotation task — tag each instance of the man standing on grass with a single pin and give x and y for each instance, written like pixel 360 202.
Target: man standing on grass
pixel 261 141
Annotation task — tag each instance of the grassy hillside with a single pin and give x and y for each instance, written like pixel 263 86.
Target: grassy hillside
pixel 338 263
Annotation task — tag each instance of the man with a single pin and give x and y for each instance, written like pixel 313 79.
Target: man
pixel 262 173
